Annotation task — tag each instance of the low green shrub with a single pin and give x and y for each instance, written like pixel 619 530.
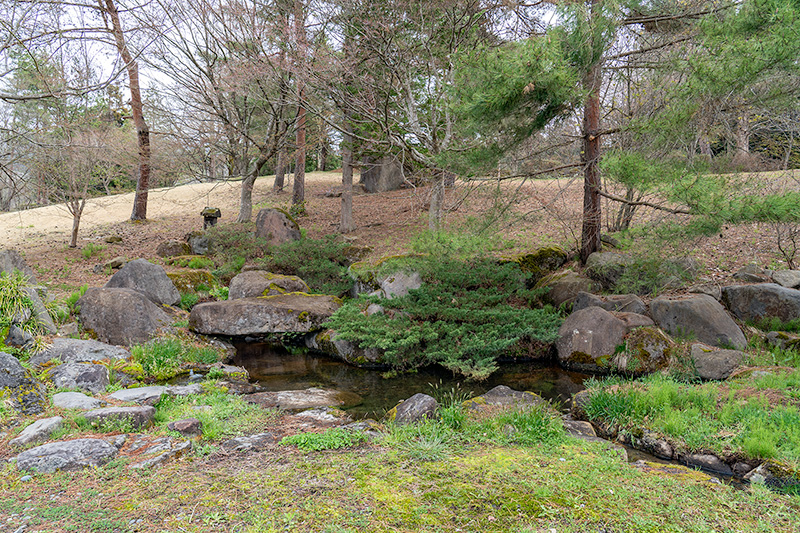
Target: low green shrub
pixel 322 263
pixel 164 357
pixel 188 300
pixel 465 316
pixel 91 249
pixel 330 439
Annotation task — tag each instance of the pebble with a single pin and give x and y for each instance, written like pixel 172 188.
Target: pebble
pixel 26 478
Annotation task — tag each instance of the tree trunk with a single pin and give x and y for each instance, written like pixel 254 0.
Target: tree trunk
pixel 246 199
pixel 142 131
pixel 298 192
pixel 742 136
pixel 437 202
pixel 76 208
pixel 280 171
pixel 346 224
pixel 590 234
pixel 322 160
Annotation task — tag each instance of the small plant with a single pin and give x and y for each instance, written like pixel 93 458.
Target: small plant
pixel 200 262
pixel 107 425
pixel 426 441
pixel 72 299
pixel 16 306
pixel 188 300
pixel 164 357
pixel 92 250
pixel 331 439
pixel 219 292
pixel 297 210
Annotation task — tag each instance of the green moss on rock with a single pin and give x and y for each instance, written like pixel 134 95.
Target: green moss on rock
pixel 189 280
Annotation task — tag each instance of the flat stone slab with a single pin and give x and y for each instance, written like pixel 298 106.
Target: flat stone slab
pixel 159 451
pixel 79 351
pixel 139 417
pixel 39 430
pixel 250 442
pixel 76 400
pixel 304 399
pixel 145 395
pixel 296 312
pixel 69 455
pixel 85 376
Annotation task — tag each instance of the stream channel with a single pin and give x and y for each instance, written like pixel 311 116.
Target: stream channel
pixel 275 369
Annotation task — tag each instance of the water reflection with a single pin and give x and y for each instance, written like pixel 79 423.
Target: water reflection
pixel 276 369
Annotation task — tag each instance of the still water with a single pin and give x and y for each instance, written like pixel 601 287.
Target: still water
pixel 274 369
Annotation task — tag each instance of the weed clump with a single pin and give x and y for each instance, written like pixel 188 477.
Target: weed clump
pixel 331 439
pixel 164 357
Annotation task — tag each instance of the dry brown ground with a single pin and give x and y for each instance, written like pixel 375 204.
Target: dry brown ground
pixel 526 215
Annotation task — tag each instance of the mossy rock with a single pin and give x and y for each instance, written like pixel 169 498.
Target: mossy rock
pixel 541 261
pixel 646 350
pixel 189 280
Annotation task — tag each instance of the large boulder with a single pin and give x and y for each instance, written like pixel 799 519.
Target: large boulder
pixel 713 364
pixel 149 279
pixel 69 455
pixel 765 300
pixel 327 342
pixel 172 247
pixel 18 385
pixel 11 261
pixel 381 175
pixel 399 283
pixel 276 227
pixel 121 316
pixel 503 396
pixel 298 313
pixel 79 351
pixel 255 283
pixel 588 339
pixel 627 303
pixel 647 349
pixel 607 267
pixel 84 376
pixel 564 287
pixel 700 316
pixel 542 261
pixel 417 408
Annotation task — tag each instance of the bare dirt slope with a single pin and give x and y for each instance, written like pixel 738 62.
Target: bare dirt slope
pixel 523 215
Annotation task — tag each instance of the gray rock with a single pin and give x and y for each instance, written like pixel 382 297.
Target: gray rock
pixel 741 469
pixel 588 339
pixel 713 364
pixel 188 427
pixel 579 428
pixel 199 242
pixel 76 400
pixel 113 264
pixel 18 385
pixel 79 351
pixel 141 395
pixel 18 337
pixel 11 261
pixel 752 274
pixel 380 175
pixel 418 407
pixel 564 287
pixel 715 291
pixel 38 431
pixel 276 227
pixel 121 316
pixel 787 278
pixel 505 397
pixel 783 340
pixel 304 399
pixel 149 279
pixel 68 330
pixel 250 442
pixel 40 311
pixel 653 445
pixel 628 303
pixel 328 343
pixel 184 390
pixel 709 462
pixel 700 316
pixel 84 376
pixel 647 350
pixel 774 475
pixel 172 247
pixel 297 313
pixel 161 451
pixel 765 300
pixel 138 417
pixel 324 416
pixel 607 267
pixel 633 320
pixel 69 455
pixel 254 283
pixel 399 283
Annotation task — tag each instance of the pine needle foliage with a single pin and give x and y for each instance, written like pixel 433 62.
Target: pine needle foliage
pixel 466 315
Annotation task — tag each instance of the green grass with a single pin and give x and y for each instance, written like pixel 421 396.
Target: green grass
pixel 731 419
pixel 331 439
pixel 91 250
pixel 222 415
pixel 164 357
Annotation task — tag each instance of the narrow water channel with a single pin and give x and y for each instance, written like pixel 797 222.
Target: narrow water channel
pixel 273 368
